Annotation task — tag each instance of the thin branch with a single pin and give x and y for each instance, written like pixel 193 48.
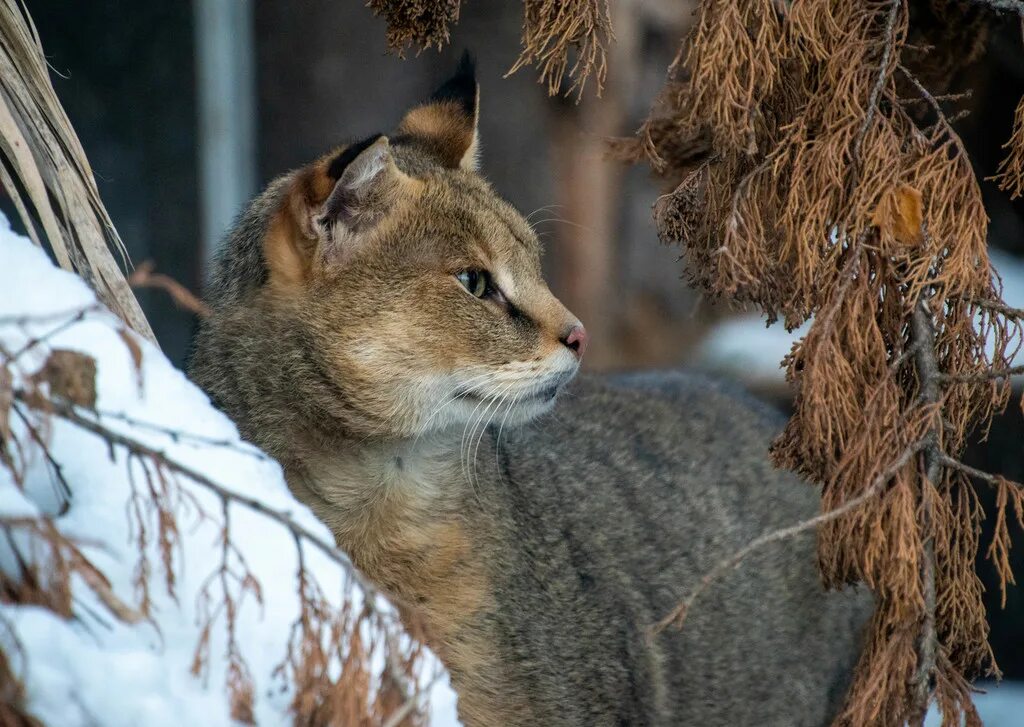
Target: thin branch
pixel 997 306
pixel 923 334
pixel 977 474
pixel 144 277
pixel 678 615
pixel 410 704
pixel 37 437
pixel 883 75
pixel 180 435
pixel 69 413
pixel 43 337
pixel 943 120
pixel 981 376
pixel 23 319
pixel 1010 6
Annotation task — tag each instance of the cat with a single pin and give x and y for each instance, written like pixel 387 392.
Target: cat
pixel 380 326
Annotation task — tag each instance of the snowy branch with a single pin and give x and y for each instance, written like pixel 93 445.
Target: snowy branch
pixel 71 414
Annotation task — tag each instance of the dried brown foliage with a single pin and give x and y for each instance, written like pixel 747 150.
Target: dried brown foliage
pixel 834 187
pixel 355 638
pixel 417 22
pixel 13 712
pixel 551 28
pixel 552 31
pixel 1011 170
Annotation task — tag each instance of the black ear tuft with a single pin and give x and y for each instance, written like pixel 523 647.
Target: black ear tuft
pixel 461 87
pixel 340 162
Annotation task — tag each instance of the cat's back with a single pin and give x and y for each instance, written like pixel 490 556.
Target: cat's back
pixel 609 511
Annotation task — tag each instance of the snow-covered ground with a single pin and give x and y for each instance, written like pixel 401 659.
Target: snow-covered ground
pixel 94 669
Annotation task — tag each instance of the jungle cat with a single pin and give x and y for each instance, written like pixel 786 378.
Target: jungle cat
pixel 380 326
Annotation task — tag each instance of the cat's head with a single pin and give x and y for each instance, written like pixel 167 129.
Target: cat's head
pixel 421 289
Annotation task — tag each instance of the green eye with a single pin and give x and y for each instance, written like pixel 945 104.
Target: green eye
pixel 476 282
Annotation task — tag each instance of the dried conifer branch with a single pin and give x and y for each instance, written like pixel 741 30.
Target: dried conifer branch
pixel 884 71
pixel 49 577
pixel 1010 174
pixel 827 197
pixel 552 28
pixel 923 336
pixel 552 31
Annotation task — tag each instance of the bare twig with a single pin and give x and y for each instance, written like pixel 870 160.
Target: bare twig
pixel 981 376
pixel 998 306
pixel 884 71
pixel 58 471
pixel 943 119
pixel 181 435
pixel 1011 6
pixel 923 334
pixel 23 319
pixel 410 704
pixel 144 277
pixel 71 414
pixel 678 615
pixel 44 337
pixel 977 474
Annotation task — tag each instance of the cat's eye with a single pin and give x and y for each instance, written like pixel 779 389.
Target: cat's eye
pixel 477 282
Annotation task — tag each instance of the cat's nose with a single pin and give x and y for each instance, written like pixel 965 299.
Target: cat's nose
pixel 576 340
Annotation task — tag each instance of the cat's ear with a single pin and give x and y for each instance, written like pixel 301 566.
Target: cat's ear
pixel 447 123
pixel 367 183
pixel 332 208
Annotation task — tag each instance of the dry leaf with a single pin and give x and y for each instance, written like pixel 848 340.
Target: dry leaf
pixel 71 376
pixel 900 215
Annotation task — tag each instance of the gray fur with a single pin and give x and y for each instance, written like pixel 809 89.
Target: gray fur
pixel 609 510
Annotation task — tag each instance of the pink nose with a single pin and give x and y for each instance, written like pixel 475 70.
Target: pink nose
pixel 576 340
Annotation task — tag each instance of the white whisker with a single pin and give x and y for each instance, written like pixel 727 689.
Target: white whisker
pixel 483 430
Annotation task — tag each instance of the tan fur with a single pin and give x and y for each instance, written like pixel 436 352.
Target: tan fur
pixel 451 136
pixel 412 540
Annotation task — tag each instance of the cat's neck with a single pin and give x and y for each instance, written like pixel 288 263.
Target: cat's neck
pixel 409 518
pixel 382 498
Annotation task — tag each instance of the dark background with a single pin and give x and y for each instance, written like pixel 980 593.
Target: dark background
pixel 126 72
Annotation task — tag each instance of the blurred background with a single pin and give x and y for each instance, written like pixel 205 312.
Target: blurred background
pixel 186 110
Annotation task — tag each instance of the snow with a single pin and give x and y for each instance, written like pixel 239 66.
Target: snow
pixel 745 348
pixel 95 669
pixel 1000 705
